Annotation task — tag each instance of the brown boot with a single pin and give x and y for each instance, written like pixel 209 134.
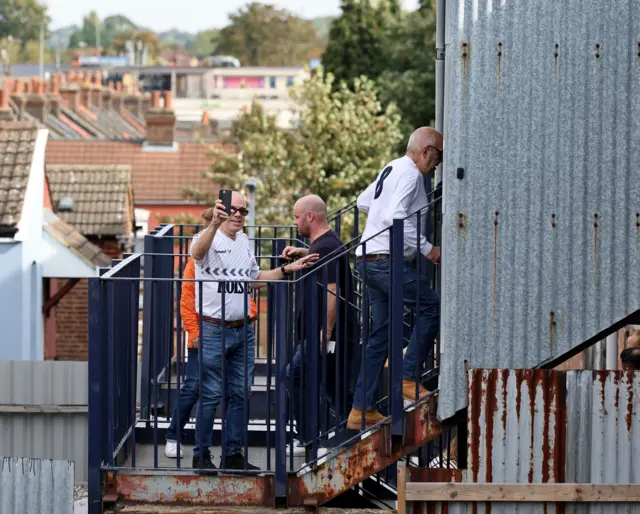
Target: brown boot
pixel 371 417
pixel 409 392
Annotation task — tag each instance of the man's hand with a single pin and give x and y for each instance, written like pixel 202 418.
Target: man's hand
pixel 291 253
pixel 303 263
pixel 434 255
pixel 219 214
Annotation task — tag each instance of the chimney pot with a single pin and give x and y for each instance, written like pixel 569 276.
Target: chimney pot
pixel 27 87
pixel 18 87
pixel 119 87
pixel 4 99
pixel 155 99
pixel 168 103
pixel 205 117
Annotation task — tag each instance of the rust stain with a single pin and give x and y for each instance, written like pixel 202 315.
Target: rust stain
pixel 224 491
pixel 552 330
pixel 475 402
pixel 556 54
pixel 505 378
pixel 597 50
pixel 365 458
pixel 628 375
pixel 560 435
pixel 638 48
pixel 491 409
pixel 529 380
pixel 595 248
pixel 637 229
pixel 464 52
pixel 499 62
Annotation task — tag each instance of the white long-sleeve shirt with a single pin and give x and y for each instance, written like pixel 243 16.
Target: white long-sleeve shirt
pixel 397 192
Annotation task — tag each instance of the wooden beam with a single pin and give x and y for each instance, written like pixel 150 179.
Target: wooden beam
pixel 60 294
pixel 525 493
pixel 402 487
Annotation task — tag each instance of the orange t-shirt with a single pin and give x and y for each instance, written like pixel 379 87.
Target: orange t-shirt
pixel 190 318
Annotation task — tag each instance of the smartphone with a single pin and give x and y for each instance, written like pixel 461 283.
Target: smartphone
pixel 225 196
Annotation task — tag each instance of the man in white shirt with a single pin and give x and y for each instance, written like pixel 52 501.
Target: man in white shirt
pixel 224 256
pixel 398 192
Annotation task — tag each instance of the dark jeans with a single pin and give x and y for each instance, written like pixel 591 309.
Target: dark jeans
pixel 189 394
pixel 296 373
pixel 234 361
pixel 427 323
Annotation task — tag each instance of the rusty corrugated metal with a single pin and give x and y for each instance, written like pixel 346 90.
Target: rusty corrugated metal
pixel 541 247
pixel 36 486
pixel 542 426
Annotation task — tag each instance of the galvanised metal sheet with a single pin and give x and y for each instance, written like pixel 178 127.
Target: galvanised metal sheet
pixel 541 246
pixel 542 426
pixel 43 411
pixel 36 485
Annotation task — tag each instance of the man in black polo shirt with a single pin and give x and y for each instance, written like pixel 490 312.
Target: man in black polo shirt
pixel 337 333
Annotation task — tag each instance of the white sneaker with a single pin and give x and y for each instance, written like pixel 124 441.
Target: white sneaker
pixel 298 449
pixel 171 449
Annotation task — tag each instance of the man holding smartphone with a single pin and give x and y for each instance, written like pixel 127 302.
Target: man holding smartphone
pixel 225 259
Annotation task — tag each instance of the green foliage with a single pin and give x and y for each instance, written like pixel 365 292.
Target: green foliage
pixel 262 35
pixel 358 39
pixel 148 37
pixel 204 43
pixel 338 141
pixel 21 19
pixel 409 80
pixel 87 35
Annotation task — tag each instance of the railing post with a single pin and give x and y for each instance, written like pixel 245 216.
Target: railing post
pixel 147 321
pixel 97 391
pixel 281 306
pixel 397 307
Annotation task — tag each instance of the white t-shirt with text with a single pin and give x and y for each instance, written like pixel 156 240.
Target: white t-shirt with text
pixel 232 261
pixel 397 192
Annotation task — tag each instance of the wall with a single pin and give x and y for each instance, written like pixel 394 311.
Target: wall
pixel 11 315
pixel 109 245
pixel 157 212
pixel 72 323
pixel 541 240
pixel 43 411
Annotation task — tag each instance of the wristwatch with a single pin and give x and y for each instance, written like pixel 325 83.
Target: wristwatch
pixel 283 270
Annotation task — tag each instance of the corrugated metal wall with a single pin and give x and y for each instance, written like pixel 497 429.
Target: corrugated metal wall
pixel 43 411
pixel 541 243
pixel 36 486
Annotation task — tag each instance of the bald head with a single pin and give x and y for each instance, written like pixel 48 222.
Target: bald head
pixel 425 149
pixel 310 216
pixel 315 204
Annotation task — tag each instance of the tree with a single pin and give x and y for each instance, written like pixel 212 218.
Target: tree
pixel 409 81
pixel 261 35
pixel 358 39
pixel 148 37
pixel 22 19
pixel 88 34
pixel 339 140
pixel 204 43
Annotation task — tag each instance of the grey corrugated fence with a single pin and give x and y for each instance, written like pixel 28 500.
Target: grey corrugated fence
pixel 43 411
pixel 36 486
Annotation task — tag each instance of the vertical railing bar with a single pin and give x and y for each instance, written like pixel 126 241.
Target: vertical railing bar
pixel 223 360
pixel 323 354
pixel 365 332
pixel 270 363
pixel 111 377
pixel 397 305
pixel 134 356
pixel 247 391
pixel 200 423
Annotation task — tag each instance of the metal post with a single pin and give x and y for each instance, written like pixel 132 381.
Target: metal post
pixel 41 51
pixel 440 54
pixel 281 377
pixel 397 306
pixel 251 186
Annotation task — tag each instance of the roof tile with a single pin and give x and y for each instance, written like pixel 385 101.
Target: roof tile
pixel 17 143
pixel 99 196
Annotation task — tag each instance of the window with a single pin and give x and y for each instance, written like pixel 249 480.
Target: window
pixel 289 80
pixel 272 82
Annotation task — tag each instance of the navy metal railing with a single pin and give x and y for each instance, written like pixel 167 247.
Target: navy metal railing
pixel 325 393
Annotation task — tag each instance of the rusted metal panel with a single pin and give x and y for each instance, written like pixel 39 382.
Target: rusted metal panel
pixel 541 248
pixel 176 489
pixel 36 485
pixel 544 426
pixel 362 459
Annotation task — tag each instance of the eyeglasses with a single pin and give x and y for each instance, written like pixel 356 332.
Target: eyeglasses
pixel 240 210
pixel 438 151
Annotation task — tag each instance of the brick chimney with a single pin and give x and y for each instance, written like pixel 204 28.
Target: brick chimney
pixel 18 95
pixel 97 90
pixel 6 113
pixel 205 128
pixel 146 102
pixel 86 92
pixel 107 95
pixel 37 104
pixel 54 96
pixel 133 102
pixel 116 98
pixel 71 95
pixel 161 121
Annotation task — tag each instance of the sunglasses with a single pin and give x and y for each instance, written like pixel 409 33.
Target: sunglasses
pixel 240 210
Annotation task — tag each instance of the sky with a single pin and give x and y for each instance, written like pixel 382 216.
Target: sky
pixel 185 15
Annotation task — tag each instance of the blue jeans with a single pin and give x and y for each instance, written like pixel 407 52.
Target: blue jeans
pixel 428 323
pixel 189 393
pixel 234 361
